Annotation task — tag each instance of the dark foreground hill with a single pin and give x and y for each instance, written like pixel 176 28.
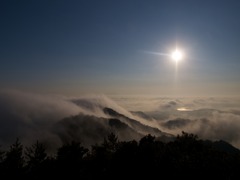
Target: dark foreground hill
pixel 186 157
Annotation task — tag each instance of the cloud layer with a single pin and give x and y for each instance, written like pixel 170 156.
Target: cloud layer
pixel 58 119
pixel 209 118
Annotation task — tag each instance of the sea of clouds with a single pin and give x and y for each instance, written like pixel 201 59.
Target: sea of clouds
pixel 31 116
pixel 211 118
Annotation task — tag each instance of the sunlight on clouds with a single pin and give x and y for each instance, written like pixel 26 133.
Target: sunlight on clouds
pixel 184 109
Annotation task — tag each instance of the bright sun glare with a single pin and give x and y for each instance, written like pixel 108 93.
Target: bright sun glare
pixel 177 55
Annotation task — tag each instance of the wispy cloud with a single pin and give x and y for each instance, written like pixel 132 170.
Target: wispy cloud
pixel 53 119
pixel 208 117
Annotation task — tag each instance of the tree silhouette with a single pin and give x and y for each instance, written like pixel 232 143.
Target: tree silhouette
pixel 124 160
pixel 14 161
pixel 111 142
pixel 73 152
pixel 35 154
pixel 70 159
pixel 146 140
pixel 186 157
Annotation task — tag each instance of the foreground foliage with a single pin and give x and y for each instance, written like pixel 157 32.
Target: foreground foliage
pixel 186 157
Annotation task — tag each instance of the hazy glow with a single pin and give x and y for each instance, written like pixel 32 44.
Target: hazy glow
pixel 183 109
pixel 177 55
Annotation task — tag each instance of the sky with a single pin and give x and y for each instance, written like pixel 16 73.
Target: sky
pixel 103 47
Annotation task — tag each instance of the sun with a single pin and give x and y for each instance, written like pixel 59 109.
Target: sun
pixel 177 55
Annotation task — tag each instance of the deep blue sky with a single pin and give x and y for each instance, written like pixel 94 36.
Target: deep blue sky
pixel 87 46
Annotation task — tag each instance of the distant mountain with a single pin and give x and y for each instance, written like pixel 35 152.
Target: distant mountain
pixel 123 130
pixel 176 123
pixel 134 124
pixel 111 112
pixel 90 129
pixel 84 128
pixel 142 115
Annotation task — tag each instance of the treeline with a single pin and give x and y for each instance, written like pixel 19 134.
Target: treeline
pixel 186 157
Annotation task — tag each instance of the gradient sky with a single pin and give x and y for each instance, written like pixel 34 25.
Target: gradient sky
pixel 87 46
